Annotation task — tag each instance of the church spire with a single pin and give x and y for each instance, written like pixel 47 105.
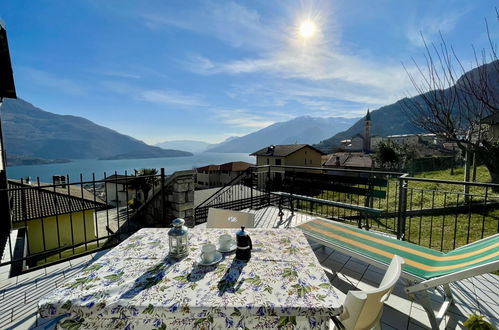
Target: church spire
pixel 367 133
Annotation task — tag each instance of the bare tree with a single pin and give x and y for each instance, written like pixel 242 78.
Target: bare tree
pixel 452 101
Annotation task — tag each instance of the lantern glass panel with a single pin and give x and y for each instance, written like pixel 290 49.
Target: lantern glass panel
pixel 178 239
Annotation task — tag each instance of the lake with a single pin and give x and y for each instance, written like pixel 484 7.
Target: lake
pixel 88 166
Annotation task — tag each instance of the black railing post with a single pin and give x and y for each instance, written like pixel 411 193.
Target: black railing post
pixel 402 207
pixel 268 186
pixel 163 204
pixel 6 223
pixel 251 187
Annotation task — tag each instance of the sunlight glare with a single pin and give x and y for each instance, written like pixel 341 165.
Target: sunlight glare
pixel 307 29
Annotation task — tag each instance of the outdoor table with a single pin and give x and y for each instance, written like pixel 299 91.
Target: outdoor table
pixel 136 285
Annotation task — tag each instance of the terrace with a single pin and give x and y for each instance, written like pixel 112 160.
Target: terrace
pixel 441 215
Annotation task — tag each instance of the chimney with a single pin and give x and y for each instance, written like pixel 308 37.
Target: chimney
pixel 59 180
pixel 270 149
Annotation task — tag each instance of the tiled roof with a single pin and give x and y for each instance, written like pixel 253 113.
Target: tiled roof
pixel 209 168
pixel 235 166
pixel 282 150
pixel 350 159
pixel 33 202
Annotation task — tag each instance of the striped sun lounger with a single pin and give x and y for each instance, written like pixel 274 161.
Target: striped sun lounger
pixel 424 268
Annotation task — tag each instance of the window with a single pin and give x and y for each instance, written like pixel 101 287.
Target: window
pixel 305 161
pixel 278 162
pixel 267 161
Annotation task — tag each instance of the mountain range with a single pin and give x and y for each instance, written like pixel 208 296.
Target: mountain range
pixel 392 119
pixel 32 135
pixel 387 120
pixel 305 129
pixel 30 132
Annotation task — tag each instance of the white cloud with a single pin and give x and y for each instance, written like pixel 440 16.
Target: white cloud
pixel 120 74
pixel 242 118
pixel 158 96
pixel 170 97
pixel 318 99
pixel 325 65
pixel 51 81
pixel 288 76
pixel 277 53
pixel 229 21
pixel 430 26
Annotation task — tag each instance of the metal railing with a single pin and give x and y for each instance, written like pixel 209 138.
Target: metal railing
pixel 444 215
pixel 247 190
pixel 434 213
pixel 50 223
pixel 56 222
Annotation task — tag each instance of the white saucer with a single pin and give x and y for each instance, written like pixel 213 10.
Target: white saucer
pixel 218 258
pixel 231 248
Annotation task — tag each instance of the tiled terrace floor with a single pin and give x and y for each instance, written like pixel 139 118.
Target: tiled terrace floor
pixel 19 295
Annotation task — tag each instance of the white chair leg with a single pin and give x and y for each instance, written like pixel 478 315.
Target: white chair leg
pixel 425 301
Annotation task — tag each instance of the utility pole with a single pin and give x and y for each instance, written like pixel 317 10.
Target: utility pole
pixel 7 89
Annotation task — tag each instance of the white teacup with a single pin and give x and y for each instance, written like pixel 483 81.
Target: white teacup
pixel 208 253
pixel 225 241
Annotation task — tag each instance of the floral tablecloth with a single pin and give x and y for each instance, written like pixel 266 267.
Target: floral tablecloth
pixel 136 285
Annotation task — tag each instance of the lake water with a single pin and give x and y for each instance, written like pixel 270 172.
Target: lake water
pixel 88 166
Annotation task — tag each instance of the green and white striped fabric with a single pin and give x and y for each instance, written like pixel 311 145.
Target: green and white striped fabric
pixel 420 261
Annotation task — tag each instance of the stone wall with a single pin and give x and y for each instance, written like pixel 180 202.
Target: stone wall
pixel 176 201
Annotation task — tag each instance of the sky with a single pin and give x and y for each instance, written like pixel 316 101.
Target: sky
pixel 162 70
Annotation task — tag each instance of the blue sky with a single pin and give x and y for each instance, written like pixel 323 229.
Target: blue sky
pixel 206 70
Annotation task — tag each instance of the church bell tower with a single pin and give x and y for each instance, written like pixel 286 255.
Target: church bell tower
pixel 367 133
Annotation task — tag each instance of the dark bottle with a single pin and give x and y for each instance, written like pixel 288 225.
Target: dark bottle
pixel 244 245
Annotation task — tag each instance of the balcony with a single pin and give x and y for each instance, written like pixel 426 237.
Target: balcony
pixel 435 214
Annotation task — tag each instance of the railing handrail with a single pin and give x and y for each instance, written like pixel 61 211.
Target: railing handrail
pixel 45 185
pixel 331 169
pixel 478 184
pixel 249 169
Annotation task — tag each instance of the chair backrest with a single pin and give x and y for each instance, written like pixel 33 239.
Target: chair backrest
pixel 219 218
pixel 363 309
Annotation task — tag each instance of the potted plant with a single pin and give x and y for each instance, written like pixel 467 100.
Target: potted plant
pixel 477 322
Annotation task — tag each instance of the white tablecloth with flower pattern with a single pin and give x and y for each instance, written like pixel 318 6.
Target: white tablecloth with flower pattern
pixel 136 285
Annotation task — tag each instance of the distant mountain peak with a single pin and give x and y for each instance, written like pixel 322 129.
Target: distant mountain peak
pixel 383 119
pixel 301 130
pixel 32 132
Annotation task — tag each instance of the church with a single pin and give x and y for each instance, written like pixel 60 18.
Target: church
pixel 361 142
pixel 356 154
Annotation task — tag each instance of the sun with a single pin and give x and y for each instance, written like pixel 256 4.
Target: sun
pixel 307 29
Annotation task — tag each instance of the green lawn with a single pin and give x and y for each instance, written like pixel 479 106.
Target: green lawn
pixel 442 232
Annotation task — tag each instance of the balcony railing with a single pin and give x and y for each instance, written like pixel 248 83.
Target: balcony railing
pixel 54 222
pixel 439 214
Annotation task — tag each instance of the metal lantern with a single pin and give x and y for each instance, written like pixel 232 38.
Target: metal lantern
pixel 178 239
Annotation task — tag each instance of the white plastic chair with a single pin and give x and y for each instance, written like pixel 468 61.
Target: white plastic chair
pixel 219 218
pixel 363 309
